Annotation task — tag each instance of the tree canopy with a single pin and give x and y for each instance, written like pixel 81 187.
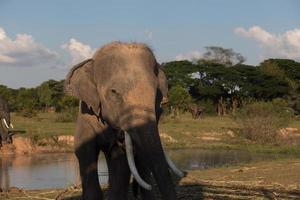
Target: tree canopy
pixel 219 78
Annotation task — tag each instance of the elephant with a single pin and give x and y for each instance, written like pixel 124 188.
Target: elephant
pixel 196 110
pixel 5 125
pixel 121 90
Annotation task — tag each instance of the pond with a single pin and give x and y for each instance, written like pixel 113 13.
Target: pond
pixel 42 171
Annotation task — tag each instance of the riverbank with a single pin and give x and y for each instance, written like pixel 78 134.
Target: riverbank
pixel 45 133
pixel 278 179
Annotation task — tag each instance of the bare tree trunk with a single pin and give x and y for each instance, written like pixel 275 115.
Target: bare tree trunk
pixel 234 104
pixel 221 107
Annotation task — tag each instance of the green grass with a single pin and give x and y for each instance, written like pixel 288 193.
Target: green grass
pixel 43 125
pixel 208 124
pixel 211 132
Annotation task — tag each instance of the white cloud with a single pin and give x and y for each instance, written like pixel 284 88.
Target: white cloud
pixel 78 51
pixel 23 51
pixel 191 56
pixel 286 45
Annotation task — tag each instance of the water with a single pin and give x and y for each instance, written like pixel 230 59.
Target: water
pixel 61 170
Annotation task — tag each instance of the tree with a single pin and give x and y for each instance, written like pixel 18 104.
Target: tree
pixel 26 99
pixel 289 71
pixel 179 99
pixel 220 55
pixel 67 102
pixel 180 73
pixel 216 82
pixel 49 93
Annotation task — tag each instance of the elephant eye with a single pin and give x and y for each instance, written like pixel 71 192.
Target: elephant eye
pixel 114 94
pixel 114 91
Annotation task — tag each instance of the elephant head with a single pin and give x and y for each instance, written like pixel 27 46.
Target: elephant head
pixel 125 86
pixel 5 123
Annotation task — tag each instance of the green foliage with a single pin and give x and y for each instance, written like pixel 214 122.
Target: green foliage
pixel 208 105
pixel 179 98
pixel 260 121
pixel 219 79
pixel 26 99
pixel 180 73
pixel 67 103
pixel 290 68
pixel 48 96
pixel 50 93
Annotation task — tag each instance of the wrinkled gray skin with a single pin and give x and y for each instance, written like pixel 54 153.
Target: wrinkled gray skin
pixel 196 111
pixel 120 88
pixel 4 114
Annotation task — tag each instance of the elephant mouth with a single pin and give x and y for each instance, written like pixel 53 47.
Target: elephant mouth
pixel 132 166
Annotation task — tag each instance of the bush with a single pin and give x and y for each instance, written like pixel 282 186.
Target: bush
pixel 261 121
pixel 179 98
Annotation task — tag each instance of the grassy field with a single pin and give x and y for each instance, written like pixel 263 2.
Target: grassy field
pixel 183 132
pixel 44 125
pixel 247 181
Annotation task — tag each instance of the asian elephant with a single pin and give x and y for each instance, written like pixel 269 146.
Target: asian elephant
pixel 121 89
pixel 5 124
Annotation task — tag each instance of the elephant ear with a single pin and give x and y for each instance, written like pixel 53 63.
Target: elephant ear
pixel 163 84
pixel 80 83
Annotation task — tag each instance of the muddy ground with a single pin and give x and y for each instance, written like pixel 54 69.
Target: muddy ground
pixel 278 179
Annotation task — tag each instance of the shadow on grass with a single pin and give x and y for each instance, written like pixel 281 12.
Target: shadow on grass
pixel 221 191
pixel 188 191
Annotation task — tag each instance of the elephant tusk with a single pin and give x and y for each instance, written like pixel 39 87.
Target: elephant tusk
pixel 173 167
pixel 5 123
pixel 11 125
pixel 131 163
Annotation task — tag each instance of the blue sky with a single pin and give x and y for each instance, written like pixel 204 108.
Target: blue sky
pixel 40 40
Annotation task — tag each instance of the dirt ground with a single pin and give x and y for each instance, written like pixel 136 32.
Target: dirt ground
pixel 278 179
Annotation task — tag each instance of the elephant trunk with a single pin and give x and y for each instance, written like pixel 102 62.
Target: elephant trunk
pixel 149 150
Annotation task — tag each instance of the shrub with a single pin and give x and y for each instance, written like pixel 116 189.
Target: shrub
pixel 260 121
pixel 179 98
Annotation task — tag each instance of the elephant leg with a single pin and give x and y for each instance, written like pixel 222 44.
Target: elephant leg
pixel 87 152
pixel 119 173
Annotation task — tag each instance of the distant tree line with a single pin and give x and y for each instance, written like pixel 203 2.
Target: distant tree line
pixel 49 96
pixel 222 83
pixel 219 82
